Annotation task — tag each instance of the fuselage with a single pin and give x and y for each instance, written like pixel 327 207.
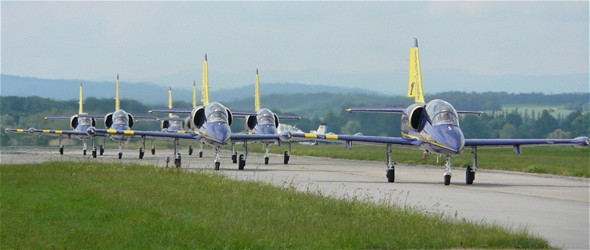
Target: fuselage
pixel 216 130
pixel 434 127
pixel 120 122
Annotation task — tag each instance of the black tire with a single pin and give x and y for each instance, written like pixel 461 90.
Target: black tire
pixel 120 155
pixel 217 164
pixel 190 150
pixel 266 160
pixel 61 150
pixel 93 153
pixel 177 162
pixel 391 175
pixel 141 153
pixel 286 158
pixel 469 176
pixel 234 158
pixel 153 151
pixel 242 162
pixel 84 152
pixel 200 154
pixel 447 180
pixel 101 149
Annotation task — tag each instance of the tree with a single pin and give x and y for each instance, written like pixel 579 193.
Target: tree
pixel 559 134
pixel 507 132
pixel 545 124
pixel 351 127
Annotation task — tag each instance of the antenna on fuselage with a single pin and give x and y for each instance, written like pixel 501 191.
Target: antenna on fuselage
pixel 415 80
pixel 257 93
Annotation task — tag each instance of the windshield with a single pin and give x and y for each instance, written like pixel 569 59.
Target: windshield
pixel 216 112
pixel 85 121
pixel 441 112
pixel 264 117
pixel 120 117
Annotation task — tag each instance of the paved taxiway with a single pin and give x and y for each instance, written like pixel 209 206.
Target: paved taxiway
pixel 554 207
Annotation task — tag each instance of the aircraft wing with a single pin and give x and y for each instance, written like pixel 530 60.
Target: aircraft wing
pixel 578 141
pixel 145 118
pixel 173 110
pixel 254 137
pixel 378 109
pixel 54 132
pixel 348 138
pixel 243 113
pixel 289 117
pixel 173 135
pixel 80 115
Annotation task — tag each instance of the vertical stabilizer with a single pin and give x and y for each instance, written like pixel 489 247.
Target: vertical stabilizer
pixel 81 101
pixel 169 100
pixel 257 93
pixel 194 95
pixel 415 82
pixel 205 95
pixel 117 97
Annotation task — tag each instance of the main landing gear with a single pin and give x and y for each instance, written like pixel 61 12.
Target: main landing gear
pixel 120 149
pixel 287 154
pixel 177 158
pixel 469 171
pixel 266 157
pixel 142 149
pixel 217 162
pixel 242 159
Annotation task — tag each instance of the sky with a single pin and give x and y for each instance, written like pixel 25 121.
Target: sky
pixel 350 44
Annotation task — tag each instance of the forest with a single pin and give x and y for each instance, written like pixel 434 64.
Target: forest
pixel 561 115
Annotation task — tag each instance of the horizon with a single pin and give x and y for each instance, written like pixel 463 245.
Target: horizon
pixel 465 46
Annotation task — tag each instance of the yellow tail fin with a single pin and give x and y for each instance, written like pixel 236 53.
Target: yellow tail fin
pixel 415 83
pixel 81 101
pixel 117 98
pixel 194 95
pixel 205 95
pixel 257 93
pixel 169 100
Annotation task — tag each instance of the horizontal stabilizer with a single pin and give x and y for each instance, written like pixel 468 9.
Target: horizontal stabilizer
pixel 173 111
pixel 378 109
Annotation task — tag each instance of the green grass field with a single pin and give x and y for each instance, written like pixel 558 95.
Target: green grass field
pixel 568 161
pixel 93 205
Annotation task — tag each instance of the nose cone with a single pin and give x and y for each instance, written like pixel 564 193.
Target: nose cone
pixel 219 133
pixel 266 129
pixel 450 138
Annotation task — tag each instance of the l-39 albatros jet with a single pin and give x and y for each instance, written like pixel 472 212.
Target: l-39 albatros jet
pixel 432 127
pixel 120 120
pixel 261 122
pixel 210 124
pixel 79 124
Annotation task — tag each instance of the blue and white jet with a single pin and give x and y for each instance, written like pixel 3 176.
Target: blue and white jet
pixel 431 126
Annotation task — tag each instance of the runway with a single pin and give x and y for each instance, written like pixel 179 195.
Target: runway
pixel 553 207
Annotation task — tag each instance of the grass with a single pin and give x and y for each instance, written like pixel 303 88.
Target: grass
pixel 567 161
pixel 94 205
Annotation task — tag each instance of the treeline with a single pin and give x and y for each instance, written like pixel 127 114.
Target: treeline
pixel 26 112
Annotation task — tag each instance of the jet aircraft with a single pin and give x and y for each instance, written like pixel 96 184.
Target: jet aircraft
pixel 431 126
pixel 261 122
pixel 79 124
pixel 120 120
pixel 210 124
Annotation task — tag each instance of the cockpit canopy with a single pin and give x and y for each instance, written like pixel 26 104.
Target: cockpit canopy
pixel 441 112
pixel 85 121
pixel 120 117
pixel 265 117
pixel 215 112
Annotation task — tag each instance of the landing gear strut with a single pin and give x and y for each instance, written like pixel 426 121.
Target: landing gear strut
pixel 266 157
pixel 120 149
pixel 142 149
pixel 390 166
pixel 470 171
pixel 448 171
pixel 234 154
pixel 242 159
pixel 216 162
pixel 177 158
pixel 93 148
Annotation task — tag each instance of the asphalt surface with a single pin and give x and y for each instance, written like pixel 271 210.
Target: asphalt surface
pixel 553 207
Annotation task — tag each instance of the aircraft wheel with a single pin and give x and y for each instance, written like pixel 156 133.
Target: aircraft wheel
pixel 61 150
pixel 101 149
pixel 120 155
pixel 217 164
pixel 469 176
pixel 84 152
pixel 234 158
pixel 200 154
pixel 153 151
pixel 265 160
pixel 190 150
pixel 391 175
pixel 286 158
pixel 447 180
pixel 93 153
pixel 242 162
pixel 177 162
pixel 141 153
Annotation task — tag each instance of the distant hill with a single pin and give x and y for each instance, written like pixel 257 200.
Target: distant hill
pixel 149 93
